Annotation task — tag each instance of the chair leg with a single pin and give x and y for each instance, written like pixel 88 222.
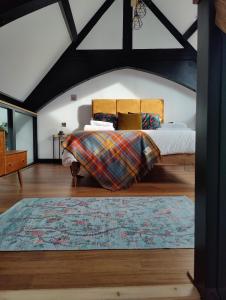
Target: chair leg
pixel 74 181
pixel 20 178
pixel 75 167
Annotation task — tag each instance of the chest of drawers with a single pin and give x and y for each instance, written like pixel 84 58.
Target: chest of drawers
pixel 11 161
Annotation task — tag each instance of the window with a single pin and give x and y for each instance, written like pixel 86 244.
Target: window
pixel 23 125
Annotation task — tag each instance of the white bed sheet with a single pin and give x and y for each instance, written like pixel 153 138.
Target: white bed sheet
pixel 169 141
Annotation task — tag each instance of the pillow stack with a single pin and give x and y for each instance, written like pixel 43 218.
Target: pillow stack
pixel 130 121
pixel 99 126
pixel 110 118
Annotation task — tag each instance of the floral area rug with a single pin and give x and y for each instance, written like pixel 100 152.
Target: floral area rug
pixel 98 223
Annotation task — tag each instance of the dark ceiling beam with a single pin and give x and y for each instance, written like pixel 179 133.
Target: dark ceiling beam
pixel 13 101
pixel 22 8
pixel 127 25
pixel 6 5
pixel 171 28
pixel 178 65
pixel 92 22
pixel 68 18
pixel 191 30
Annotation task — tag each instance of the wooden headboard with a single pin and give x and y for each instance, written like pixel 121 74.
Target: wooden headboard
pixel 114 106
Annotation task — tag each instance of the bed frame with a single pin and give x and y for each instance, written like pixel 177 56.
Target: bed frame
pixel 114 106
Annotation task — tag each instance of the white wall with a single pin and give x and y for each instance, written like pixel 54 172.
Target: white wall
pixel 180 103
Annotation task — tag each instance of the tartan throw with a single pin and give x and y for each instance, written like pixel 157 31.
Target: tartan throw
pixel 115 159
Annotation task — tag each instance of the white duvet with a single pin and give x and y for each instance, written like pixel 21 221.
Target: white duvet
pixel 173 141
pixel 169 141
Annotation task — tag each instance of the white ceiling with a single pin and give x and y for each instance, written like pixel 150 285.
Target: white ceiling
pixel 83 10
pixel 181 13
pixel 153 35
pixel 32 44
pixel 107 34
pixel 29 47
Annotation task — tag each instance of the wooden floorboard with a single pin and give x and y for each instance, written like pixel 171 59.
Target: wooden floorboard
pixel 79 269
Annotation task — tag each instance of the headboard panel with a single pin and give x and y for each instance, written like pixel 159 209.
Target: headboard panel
pixel 107 106
pixel 113 106
pixel 155 106
pixel 127 105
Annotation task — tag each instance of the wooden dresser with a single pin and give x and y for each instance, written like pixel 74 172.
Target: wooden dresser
pixel 11 161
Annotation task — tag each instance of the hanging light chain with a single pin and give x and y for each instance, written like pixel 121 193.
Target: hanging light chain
pixel 139 12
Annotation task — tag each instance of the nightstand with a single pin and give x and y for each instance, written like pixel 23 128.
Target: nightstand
pixel 59 138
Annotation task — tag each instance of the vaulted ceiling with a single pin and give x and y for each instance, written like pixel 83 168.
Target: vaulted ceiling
pixel 49 46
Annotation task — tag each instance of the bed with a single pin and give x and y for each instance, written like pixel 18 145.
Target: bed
pixel 176 144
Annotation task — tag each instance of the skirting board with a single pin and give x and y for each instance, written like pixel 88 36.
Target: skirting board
pixel 161 292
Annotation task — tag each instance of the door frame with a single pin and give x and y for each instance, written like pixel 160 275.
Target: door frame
pixel 210 191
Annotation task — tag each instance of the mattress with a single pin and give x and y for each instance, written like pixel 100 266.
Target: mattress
pixel 169 140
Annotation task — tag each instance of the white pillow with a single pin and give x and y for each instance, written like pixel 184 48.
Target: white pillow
pixel 101 123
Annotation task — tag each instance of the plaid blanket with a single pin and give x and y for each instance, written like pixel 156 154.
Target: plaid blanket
pixel 115 158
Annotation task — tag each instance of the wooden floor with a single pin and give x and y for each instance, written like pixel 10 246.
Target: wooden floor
pixel 76 269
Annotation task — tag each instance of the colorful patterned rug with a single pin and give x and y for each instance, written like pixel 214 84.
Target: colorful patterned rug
pixel 98 223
